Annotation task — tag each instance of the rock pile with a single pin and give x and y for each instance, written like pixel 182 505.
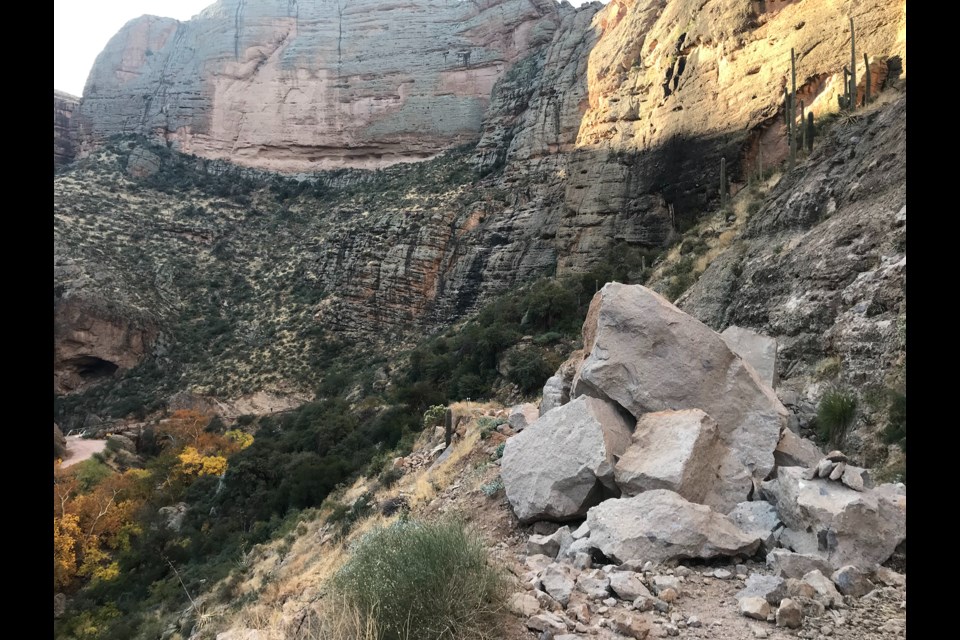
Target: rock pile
pixel 669 446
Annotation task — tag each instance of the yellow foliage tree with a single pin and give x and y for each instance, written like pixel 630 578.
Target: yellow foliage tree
pixel 194 463
pixel 66 535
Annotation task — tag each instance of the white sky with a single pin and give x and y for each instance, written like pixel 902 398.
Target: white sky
pixel 82 28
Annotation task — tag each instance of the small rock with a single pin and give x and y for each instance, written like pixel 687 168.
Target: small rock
pixel 694 622
pixel 632 626
pixel 770 588
pixel 580 611
pixel 759 632
pixel 799 589
pixel 582 560
pixel 754 607
pixel 557 580
pixel 665 582
pixel 628 585
pixel 838 470
pixel 582 531
pixel 788 564
pixel 523 604
pixel 671 629
pixel 826 592
pixel 789 614
pixel 682 571
pixel 610 602
pixel 890 577
pixel 669 595
pixel 546 622
pixel 850 581
pixel 660 605
pixel 595 584
pixel 825 468
pixel 826 630
pixel 742 570
pixel 722 574
pixel 546 601
pixel 644 603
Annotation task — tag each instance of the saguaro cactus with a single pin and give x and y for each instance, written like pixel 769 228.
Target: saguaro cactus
pixel 808 133
pixel 866 69
pixel 723 183
pixel 791 125
pixel 853 68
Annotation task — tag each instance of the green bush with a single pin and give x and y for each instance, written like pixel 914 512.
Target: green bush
pixel 896 429
pixel 835 415
pixel 429 581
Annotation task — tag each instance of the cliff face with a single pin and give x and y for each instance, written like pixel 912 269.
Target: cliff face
pixel 64 106
pixel 598 125
pixel 310 84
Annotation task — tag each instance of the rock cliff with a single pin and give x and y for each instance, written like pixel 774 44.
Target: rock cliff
pixel 593 126
pixel 308 84
pixel 64 106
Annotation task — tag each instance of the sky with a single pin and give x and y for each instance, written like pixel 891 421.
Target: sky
pixel 82 28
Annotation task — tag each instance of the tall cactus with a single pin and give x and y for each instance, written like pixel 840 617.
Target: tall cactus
pixel 723 183
pixel 844 100
pixel 808 132
pixel 853 68
pixel 866 68
pixel 793 108
pixel 803 126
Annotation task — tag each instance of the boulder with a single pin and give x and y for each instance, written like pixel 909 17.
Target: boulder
pixel 564 463
pixel 760 519
pixel 787 564
pixel 860 528
pixel 522 416
pixel 556 390
pixel 758 350
pixel 770 588
pixel 794 451
pixel 659 526
pixel 675 450
pixel 647 355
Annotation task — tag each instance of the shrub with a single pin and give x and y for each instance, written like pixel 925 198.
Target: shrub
pixel 491 489
pixel 423 580
pixel 835 414
pixel 896 429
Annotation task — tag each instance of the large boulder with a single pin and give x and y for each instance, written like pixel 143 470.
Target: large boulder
pixel 675 450
pixel 661 526
pixel 647 355
pixel 563 464
pixel 859 528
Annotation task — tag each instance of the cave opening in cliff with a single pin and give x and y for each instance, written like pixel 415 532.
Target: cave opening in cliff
pixel 92 367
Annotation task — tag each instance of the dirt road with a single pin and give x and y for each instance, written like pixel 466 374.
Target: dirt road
pixel 79 449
